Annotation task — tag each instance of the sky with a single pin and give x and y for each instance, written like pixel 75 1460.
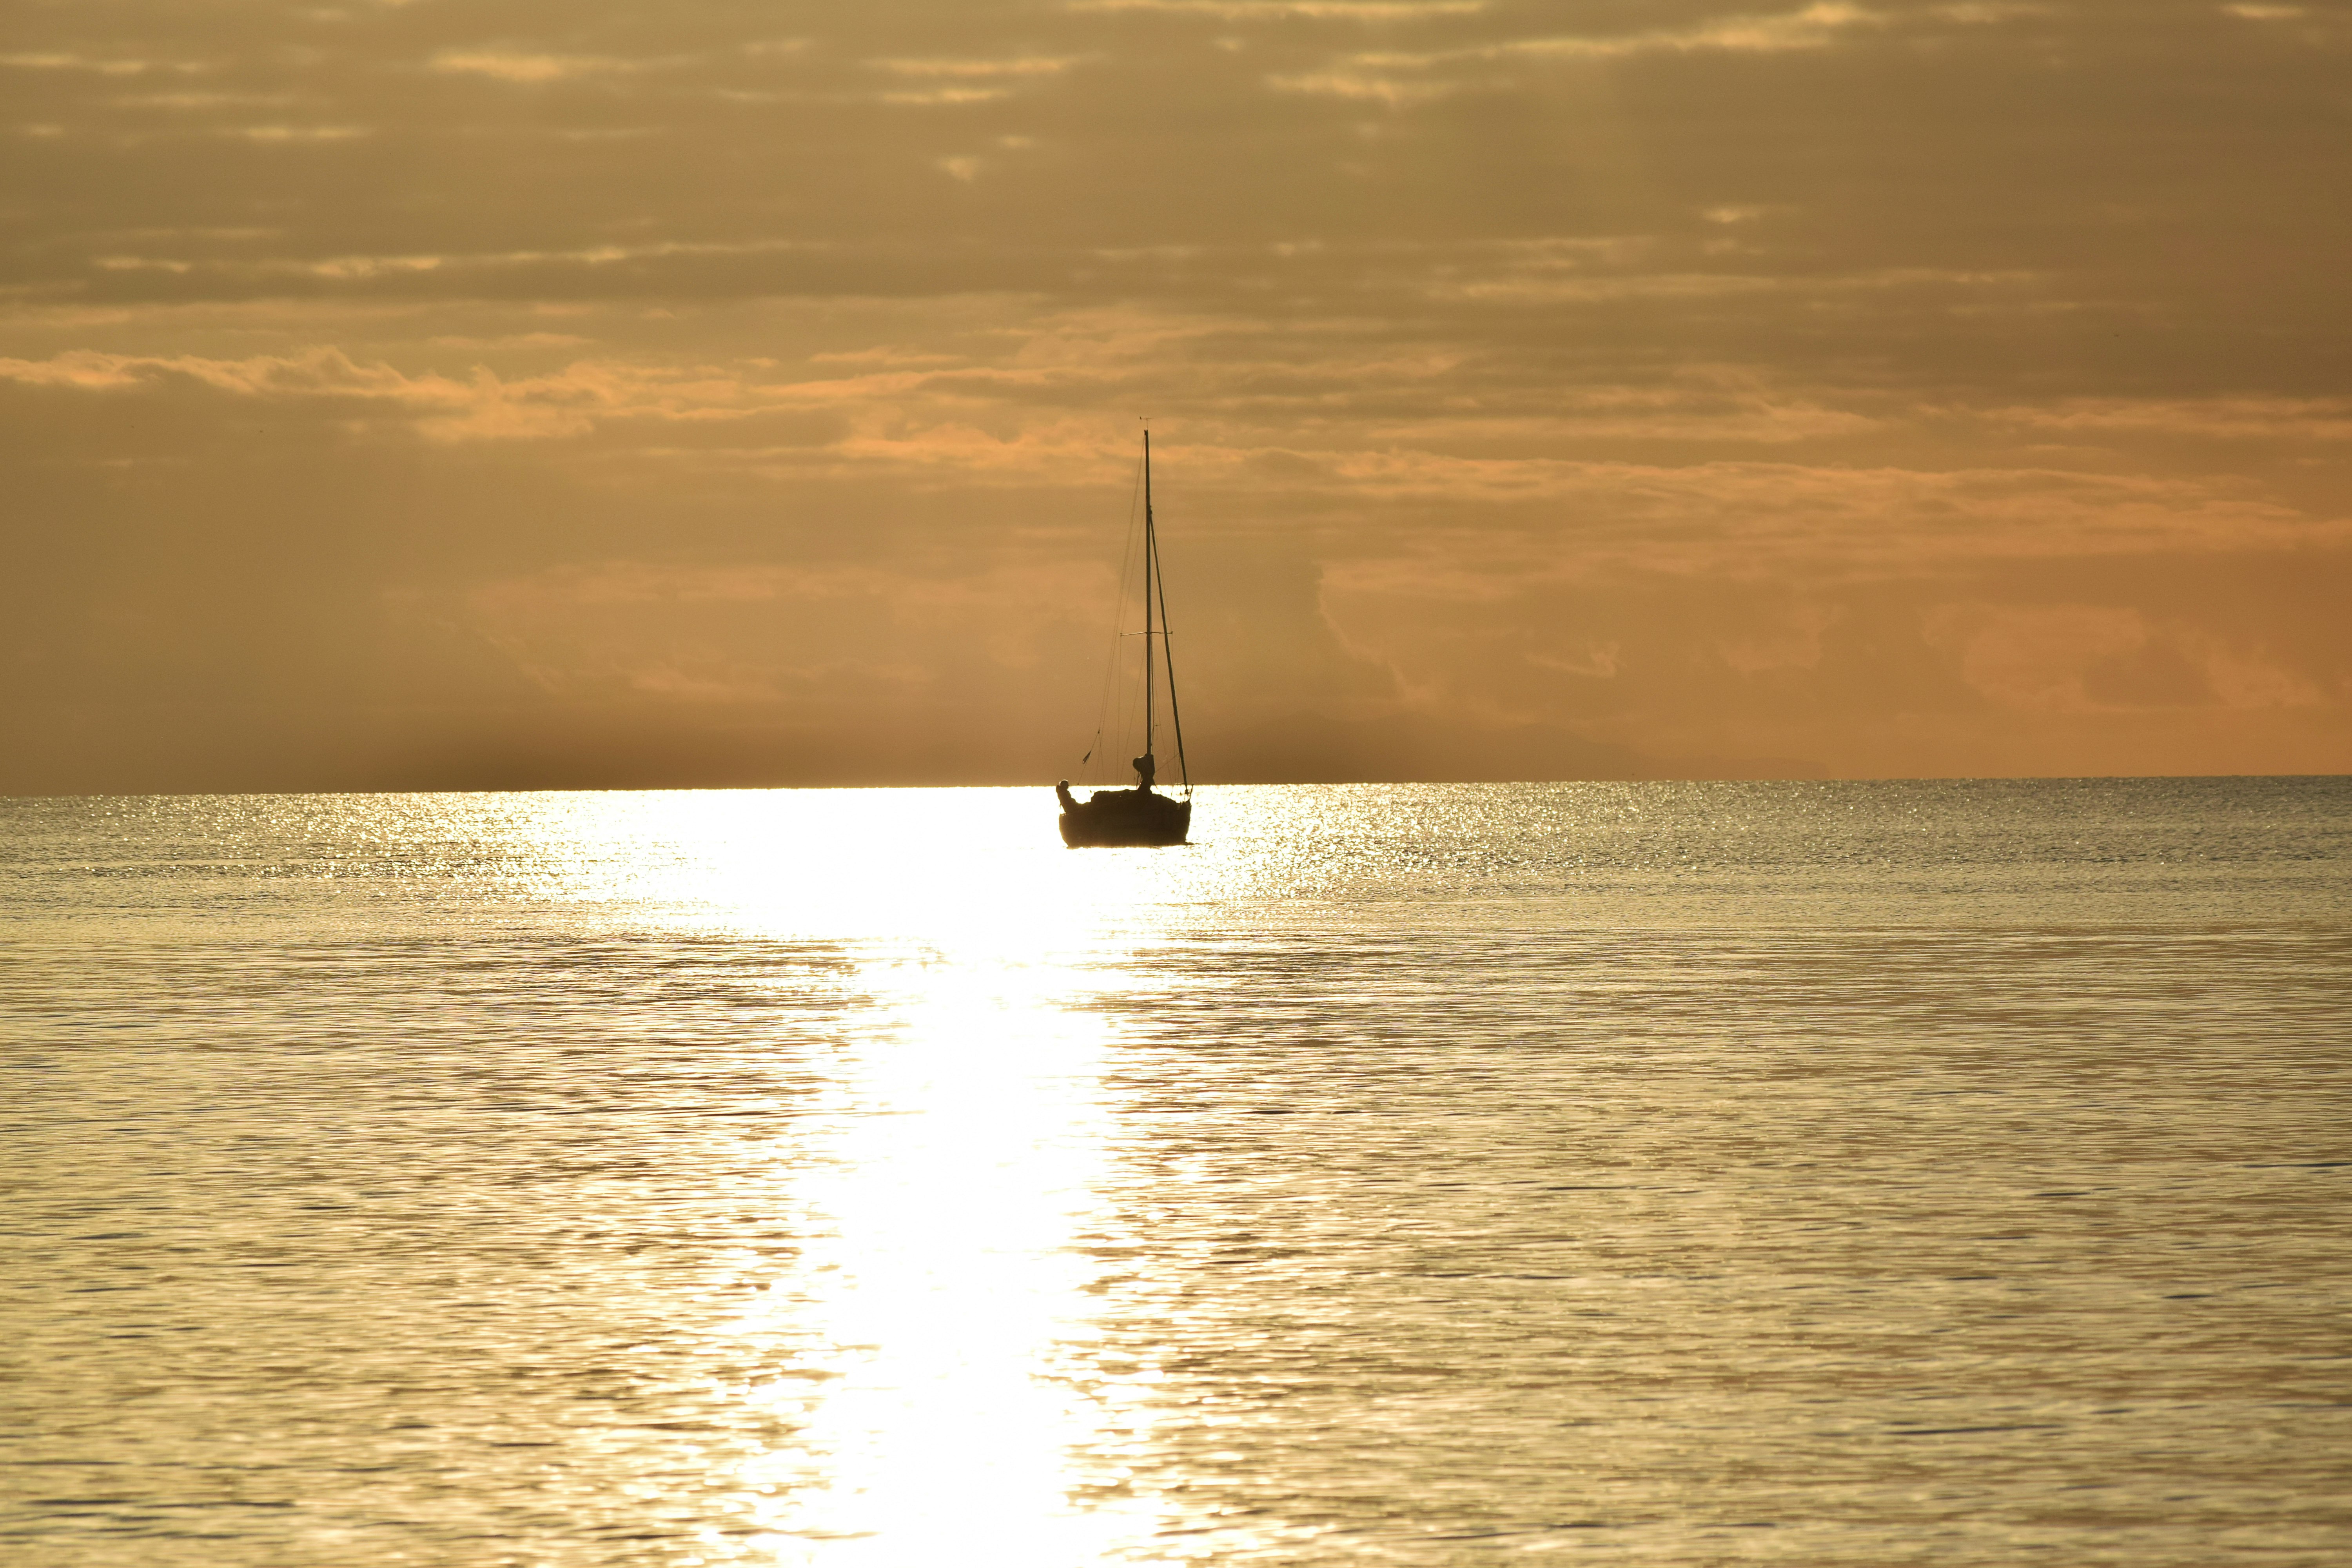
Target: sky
pixel 518 394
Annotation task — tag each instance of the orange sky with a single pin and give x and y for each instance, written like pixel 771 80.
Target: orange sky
pixel 574 394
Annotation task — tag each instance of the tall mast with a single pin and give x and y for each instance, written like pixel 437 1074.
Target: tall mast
pixel 1148 552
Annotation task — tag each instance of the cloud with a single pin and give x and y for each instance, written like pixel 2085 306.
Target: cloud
pixel 1377 76
pixel 820 632
pixel 484 406
pixel 116 66
pixel 515 67
pixel 1949 386
pixel 2078 659
pixel 1374 12
pixel 1756 519
pixel 1991 13
pixel 967 81
pixel 1814 26
pixel 987 69
pixel 2220 419
pixel 267 133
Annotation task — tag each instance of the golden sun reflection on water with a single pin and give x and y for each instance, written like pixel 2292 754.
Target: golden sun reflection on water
pixel 953 1167
pixel 944 1179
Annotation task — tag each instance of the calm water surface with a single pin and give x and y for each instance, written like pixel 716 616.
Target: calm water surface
pixel 1659 1174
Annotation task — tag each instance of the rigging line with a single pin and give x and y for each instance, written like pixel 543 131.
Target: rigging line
pixel 1168 650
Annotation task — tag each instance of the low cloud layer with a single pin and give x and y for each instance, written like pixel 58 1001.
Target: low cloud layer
pixel 412 395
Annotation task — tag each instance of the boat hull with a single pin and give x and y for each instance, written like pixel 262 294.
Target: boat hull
pixel 1131 819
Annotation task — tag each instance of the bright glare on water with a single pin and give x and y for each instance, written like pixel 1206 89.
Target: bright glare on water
pixel 1431 1174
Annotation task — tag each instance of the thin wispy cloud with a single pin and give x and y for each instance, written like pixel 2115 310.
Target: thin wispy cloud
pixel 99 66
pixel 1403 78
pixel 1358 11
pixel 967 70
pixel 513 66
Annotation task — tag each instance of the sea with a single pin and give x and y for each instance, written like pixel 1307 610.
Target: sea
pixel 1821 1174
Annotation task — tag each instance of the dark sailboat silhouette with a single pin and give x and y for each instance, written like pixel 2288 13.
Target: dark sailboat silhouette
pixel 1141 817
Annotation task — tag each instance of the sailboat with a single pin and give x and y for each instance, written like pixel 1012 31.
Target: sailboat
pixel 1141 817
